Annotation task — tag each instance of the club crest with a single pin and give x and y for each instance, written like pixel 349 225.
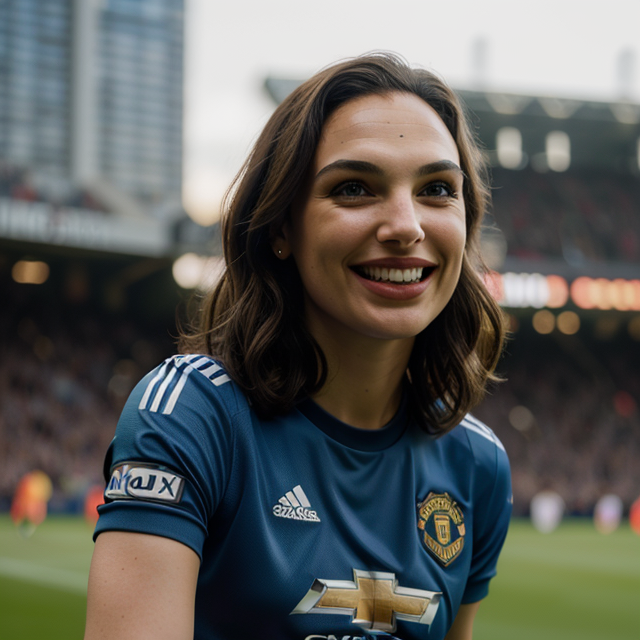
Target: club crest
pixel 441 525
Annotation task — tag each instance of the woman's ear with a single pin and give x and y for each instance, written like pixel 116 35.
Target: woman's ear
pixel 280 242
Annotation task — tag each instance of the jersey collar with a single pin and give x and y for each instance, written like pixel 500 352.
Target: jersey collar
pixel 362 439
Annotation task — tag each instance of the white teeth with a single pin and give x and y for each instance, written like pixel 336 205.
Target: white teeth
pixel 393 275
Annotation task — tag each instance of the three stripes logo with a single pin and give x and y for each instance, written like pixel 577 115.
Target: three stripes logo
pixel 165 387
pixel 296 506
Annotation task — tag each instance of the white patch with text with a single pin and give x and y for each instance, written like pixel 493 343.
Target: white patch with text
pixel 137 481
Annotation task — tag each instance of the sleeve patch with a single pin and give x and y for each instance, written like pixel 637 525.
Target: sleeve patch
pixel 140 481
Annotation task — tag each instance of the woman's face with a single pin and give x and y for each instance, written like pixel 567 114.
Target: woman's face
pixel 378 232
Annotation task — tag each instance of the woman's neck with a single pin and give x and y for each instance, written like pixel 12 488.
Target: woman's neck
pixel 364 381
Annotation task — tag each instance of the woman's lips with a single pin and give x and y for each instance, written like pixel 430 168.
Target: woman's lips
pixel 396 290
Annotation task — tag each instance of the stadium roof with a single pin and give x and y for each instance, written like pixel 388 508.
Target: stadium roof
pixel 603 134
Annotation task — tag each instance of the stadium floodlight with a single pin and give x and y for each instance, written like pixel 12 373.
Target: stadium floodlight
pixel 509 147
pixel 558 150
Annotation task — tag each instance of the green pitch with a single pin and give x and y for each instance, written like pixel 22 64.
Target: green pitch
pixel 43 580
pixel 571 584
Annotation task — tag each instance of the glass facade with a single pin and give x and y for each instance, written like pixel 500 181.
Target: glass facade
pixel 140 103
pixel 35 84
pixel 138 80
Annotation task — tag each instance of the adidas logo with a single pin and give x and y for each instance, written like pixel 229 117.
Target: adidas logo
pixel 296 506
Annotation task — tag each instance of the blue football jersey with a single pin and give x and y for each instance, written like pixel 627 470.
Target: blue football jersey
pixel 307 528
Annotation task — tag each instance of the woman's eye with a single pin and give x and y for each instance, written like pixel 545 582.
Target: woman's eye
pixel 439 190
pixel 349 190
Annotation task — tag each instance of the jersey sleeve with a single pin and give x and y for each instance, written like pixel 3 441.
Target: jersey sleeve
pixel 492 513
pixel 168 466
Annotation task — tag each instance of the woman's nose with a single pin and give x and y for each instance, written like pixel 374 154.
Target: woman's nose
pixel 401 222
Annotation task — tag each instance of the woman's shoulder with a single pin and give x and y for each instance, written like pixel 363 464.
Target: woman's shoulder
pixel 182 414
pixel 479 434
pixel 481 443
pixel 195 381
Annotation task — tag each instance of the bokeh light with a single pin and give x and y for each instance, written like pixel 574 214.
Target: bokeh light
pixel 522 419
pixel 568 323
pixel 558 291
pixel 558 148
pixel 509 147
pixel 192 271
pixel 544 321
pixel 30 272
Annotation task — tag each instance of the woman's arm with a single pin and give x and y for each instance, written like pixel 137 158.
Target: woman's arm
pixel 462 627
pixel 141 586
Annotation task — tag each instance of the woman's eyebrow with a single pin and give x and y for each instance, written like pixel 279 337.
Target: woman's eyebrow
pixel 440 165
pixel 367 167
pixel 352 165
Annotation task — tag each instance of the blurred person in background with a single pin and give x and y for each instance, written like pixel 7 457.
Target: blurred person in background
pixel 311 452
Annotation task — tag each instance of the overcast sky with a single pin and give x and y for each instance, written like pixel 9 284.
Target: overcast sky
pixel 552 47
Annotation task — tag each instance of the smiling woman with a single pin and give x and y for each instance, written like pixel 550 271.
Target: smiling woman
pixel 310 452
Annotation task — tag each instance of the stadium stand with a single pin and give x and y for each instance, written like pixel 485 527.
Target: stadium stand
pixel 65 371
pixel 568 416
pixel 583 216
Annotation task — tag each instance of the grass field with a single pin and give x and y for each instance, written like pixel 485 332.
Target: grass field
pixel 571 584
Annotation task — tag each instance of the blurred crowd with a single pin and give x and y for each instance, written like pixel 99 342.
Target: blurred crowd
pixel 581 217
pixel 569 417
pixel 17 183
pixel 64 376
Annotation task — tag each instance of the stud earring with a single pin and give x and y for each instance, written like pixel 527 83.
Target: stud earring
pixel 279 252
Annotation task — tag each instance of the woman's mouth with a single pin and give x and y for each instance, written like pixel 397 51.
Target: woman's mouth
pixel 394 276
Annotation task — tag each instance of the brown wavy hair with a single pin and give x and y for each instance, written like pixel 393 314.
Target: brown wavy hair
pixel 253 321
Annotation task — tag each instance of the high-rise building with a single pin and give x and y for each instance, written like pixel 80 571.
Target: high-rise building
pixel 91 93
pixel 36 85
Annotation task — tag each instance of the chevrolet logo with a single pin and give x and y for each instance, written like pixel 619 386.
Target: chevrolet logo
pixel 373 600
